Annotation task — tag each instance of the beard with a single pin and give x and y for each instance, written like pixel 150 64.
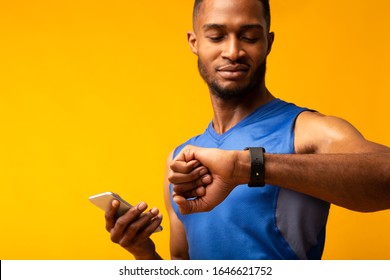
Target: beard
pixel 237 92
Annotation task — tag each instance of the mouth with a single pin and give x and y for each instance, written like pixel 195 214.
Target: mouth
pixel 233 71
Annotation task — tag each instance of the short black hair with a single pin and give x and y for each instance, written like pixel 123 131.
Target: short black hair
pixel 267 11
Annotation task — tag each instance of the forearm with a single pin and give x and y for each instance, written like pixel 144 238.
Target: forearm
pixel 360 182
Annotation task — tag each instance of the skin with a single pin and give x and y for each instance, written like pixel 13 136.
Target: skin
pixel 133 229
pixel 326 147
pixel 232 34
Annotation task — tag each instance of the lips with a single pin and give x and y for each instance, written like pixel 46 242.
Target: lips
pixel 233 67
pixel 233 71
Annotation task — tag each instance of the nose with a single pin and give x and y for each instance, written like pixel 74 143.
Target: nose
pixel 232 49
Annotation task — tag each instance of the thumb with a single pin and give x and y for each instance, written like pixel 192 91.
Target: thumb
pixel 189 206
pixel 185 206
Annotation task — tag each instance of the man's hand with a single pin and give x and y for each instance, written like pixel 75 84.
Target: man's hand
pixel 132 230
pixel 220 172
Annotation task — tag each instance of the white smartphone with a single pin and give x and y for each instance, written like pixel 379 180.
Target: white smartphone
pixel 102 201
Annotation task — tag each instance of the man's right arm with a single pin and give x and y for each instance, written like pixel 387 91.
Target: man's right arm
pixel 178 240
pixel 133 229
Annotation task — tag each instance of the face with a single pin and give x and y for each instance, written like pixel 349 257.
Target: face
pixel 232 42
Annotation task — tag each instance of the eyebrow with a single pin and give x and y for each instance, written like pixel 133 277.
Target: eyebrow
pixel 222 26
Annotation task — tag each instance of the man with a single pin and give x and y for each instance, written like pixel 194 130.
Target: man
pixel 310 160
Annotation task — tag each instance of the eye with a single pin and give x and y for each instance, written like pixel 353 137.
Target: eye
pixel 249 39
pixel 216 38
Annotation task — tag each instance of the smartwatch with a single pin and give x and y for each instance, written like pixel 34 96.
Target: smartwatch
pixel 257 166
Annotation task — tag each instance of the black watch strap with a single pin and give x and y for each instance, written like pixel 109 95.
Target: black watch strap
pixel 257 166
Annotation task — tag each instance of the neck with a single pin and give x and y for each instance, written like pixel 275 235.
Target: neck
pixel 227 113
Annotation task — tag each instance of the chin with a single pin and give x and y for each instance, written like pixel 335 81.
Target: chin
pixel 229 93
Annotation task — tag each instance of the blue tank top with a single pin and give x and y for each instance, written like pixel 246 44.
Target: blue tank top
pixel 262 222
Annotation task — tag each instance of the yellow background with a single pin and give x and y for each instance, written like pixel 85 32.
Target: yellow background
pixel 95 94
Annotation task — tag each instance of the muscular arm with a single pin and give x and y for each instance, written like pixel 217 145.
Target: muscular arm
pixel 358 182
pixel 333 163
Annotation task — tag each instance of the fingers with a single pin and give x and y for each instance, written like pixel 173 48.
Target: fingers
pixel 131 223
pixel 182 166
pixel 178 177
pixel 110 214
pixel 196 192
pixel 194 188
pixel 147 230
pixel 186 154
pixel 141 229
pixel 185 161
pixel 191 184
pixel 187 175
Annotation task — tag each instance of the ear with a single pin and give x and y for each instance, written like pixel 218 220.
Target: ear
pixel 192 41
pixel 271 38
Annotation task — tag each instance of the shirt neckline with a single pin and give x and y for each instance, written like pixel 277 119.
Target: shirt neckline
pixel 263 108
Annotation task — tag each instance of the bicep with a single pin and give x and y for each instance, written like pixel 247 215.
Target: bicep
pixel 317 133
pixel 178 240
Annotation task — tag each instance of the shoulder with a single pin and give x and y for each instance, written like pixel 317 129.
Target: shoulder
pixel 318 133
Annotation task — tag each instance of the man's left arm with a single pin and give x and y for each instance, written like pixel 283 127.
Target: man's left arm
pixel 335 163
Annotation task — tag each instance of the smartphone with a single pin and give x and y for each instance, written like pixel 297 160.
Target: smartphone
pixel 103 200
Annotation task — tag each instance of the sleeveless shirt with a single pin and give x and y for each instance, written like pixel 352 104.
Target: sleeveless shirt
pixel 260 222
